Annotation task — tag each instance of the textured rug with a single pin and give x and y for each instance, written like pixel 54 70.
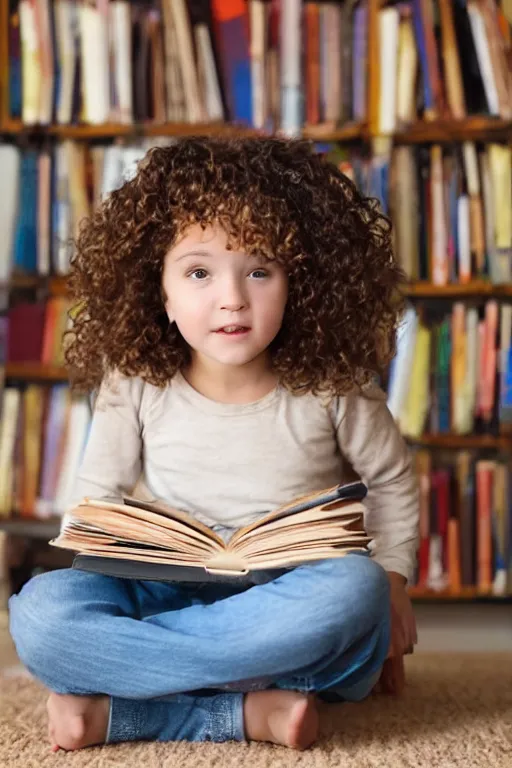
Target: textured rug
pixel 456 713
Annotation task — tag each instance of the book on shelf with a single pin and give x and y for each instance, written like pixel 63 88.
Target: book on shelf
pixel 451 207
pixel 452 373
pixel 441 60
pixel 43 432
pixel 34 331
pixel 193 62
pixel 244 62
pixel 465 523
pixel 134 537
pixel 47 193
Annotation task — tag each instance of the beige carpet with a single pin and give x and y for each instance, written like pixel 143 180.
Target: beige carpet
pixel 456 713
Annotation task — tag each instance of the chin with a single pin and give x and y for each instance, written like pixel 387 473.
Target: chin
pixel 234 357
pixel 235 361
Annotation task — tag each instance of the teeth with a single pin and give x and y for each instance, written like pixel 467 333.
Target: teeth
pixel 232 328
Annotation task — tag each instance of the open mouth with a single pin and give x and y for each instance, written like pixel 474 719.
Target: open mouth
pixel 233 330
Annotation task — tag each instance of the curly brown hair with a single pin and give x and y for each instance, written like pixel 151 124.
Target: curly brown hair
pixel 274 196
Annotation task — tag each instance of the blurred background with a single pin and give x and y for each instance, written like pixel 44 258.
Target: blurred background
pixel 412 100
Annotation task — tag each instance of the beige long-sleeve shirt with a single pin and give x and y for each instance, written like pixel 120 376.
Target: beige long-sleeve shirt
pixel 228 464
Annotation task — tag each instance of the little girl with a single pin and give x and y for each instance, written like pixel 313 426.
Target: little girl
pixel 237 298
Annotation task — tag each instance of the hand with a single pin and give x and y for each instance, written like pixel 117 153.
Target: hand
pixel 403 637
pixel 403 624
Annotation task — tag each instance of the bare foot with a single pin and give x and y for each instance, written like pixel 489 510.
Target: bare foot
pixel 282 717
pixel 77 721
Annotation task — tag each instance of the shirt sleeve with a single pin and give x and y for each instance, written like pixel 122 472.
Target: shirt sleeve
pixel 370 440
pixel 112 460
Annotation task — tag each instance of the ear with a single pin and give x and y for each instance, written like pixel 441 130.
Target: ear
pixel 169 313
pixel 167 306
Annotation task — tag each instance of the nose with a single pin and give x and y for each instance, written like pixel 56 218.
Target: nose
pixel 233 296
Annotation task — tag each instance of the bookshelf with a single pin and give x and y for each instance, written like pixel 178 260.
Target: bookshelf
pixel 349 132
pixel 464 442
pixel 466 595
pixel 34 529
pixel 357 134
pixel 426 290
pixel 35 372
pixel 420 132
pixel 470 129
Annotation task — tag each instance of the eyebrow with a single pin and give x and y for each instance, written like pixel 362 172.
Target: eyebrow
pixel 195 252
pixel 200 252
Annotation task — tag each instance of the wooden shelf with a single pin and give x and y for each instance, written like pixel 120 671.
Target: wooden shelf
pixel 33 529
pixel 475 128
pixel 116 130
pixel 425 289
pixel 113 130
pixel 56 286
pixel 465 595
pixel 35 372
pixel 501 442
pixel 351 131
pixel 22 281
pixel 326 132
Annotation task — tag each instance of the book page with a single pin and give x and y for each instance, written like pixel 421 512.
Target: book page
pixel 118 520
pixel 298 557
pixel 158 513
pixel 144 555
pixel 175 542
pixel 311 535
pixel 161 508
pixel 303 552
pixel 339 493
pixel 338 509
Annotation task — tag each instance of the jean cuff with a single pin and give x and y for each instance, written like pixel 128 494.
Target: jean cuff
pixel 226 721
pixel 126 721
pixel 178 718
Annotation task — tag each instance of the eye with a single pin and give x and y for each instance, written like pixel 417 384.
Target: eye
pixel 198 274
pixel 259 273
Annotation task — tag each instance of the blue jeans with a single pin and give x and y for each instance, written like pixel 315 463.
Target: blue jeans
pixel 176 659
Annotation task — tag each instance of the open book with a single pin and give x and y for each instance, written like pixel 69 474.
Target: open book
pixel 140 539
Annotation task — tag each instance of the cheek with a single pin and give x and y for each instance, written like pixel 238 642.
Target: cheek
pixel 279 298
pixel 274 306
pixel 190 312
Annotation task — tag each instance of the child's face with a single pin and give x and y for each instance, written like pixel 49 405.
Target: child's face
pixel 227 305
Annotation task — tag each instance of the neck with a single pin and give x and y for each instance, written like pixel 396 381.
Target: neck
pixel 231 384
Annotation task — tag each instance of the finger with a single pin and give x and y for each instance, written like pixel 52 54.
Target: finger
pixel 408 632
pixel 395 649
pixel 413 634
pixel 386 678
pixel 407 638
pixel 400 641
pixel 394 677
pixel 398 675
pixel 393 640
pixel 391 678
